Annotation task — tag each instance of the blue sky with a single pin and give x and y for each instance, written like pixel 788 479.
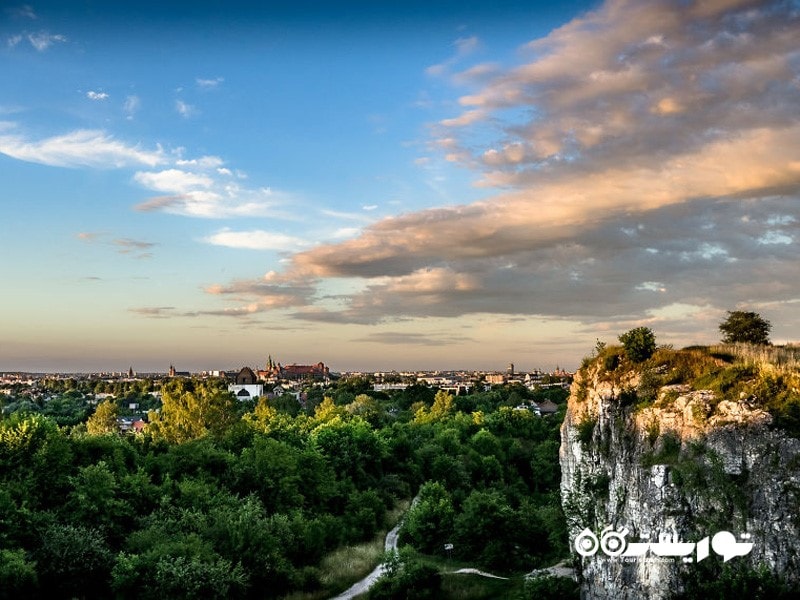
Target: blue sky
pixel 391 185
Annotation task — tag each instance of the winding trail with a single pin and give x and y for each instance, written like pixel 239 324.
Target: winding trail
pixel 470 571
pixel 361 587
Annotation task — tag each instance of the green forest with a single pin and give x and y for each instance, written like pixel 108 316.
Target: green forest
pixel 218 498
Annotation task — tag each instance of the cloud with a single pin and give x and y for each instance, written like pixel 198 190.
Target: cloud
pixel 131 106
pixel 195 187
pixel 463 48
pixel 347 216
pixel 345 232
pixel 239 312
pixel 154 312
pixel 185 110
pixel 643 156
pixel 204 162
pixel 209 83
pixel 202 188
pixel 255 240
pixel 696 253
pixel 173 180
pixel 81 148
pixel 270 292
pixel 220 200
pixel 42 40
pixel 24 11
pixel 399 338
pixel 127 245
pixel 92 95
pixel 139 249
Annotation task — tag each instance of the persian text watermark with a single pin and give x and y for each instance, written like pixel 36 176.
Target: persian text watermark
pixel 668 547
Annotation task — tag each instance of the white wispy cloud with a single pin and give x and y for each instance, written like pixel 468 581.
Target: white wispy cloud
pixel 199 189
pixel 92 95
pixel 195 187
pixel 347 216
pixel 24 12
pixel 209 83
pixel 131 106
pixel 173 181
pixel 346 232
pixel 463 48
pixel 185 110
pixel 204 162
pixel 257 239
pixel 87 148
pixel 42 40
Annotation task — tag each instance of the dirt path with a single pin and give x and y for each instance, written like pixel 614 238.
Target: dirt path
pixel 470 571
pixel 361 587
pixel 562 569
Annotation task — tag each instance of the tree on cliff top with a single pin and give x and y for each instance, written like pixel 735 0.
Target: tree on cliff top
pixel 745 327
pixel 639 343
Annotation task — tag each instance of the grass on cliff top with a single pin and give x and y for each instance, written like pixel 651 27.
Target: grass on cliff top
pixel 765 376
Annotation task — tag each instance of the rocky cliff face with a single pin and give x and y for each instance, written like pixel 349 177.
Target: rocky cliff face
pixel 686 465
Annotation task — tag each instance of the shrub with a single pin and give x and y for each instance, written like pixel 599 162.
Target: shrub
pixel 17 575
pixel 745 327
pixel 406 578
pixel 649 384
pixel 639 343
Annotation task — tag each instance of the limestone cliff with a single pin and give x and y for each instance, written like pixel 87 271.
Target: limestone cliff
pixel 641 452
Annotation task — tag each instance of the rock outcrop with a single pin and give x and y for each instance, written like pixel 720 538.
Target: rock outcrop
pixel 686 465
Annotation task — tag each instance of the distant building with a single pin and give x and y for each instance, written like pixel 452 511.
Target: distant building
pixel 174 373
pixel 385 387
pixel 317 372
pixel 245 377
pixel 245 385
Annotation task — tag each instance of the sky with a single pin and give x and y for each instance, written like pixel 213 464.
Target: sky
pixel 391 185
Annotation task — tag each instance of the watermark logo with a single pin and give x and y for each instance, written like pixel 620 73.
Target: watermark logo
pixel 613 544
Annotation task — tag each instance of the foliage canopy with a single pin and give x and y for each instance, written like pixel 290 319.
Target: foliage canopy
pixel 218 499
pixel 639 343
pixel 745 327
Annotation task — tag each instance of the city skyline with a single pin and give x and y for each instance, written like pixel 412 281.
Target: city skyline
pixel 384 186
